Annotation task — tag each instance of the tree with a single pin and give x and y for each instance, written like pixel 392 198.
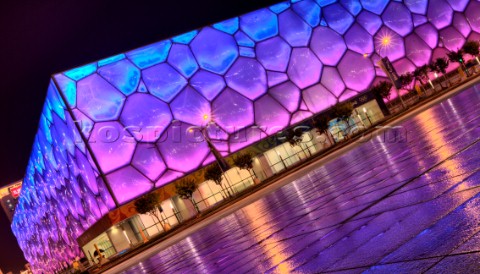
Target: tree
pixel 440 66
pixel 185 190
pixel 322 124
pixel 457 57
pixel 343 111
pixel 294 136
pixel 471 48
pixel 420 76
pixel 215 173
pixel 148 204
pixel 406 79
pixel 244 161
pixel 382 89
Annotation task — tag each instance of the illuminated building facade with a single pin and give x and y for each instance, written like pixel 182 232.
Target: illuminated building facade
pixel 9 197
pixel 115 129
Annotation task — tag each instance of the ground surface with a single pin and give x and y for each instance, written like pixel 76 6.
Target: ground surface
pixel 407 201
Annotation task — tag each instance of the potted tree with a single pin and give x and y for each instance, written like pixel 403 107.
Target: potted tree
pixel 457 56
pixel 215 173
pixel 149 204
pixel 322 124
pixel 185 190
pixel 441 65
pixel 245 161
pixel 472 48
pixel 382 90
pixel 343 111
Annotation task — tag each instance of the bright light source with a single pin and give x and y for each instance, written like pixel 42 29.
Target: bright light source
pixel 205 117
pixel 365 110
pixel 386 40
pixel 365 55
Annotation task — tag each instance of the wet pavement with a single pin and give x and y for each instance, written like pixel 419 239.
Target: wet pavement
pixel 407 201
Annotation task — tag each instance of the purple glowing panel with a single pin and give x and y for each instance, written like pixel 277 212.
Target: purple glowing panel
pixel 248 77
pixel 304 68
pixel 182 147
pixel 309 11
pixel 417 6
pixel 328 45
pixel 85 123
pixel 418 19
pixel 389 44
pixel 181 58
pixel 353 6
pixel 150 55
pixel 163 81
pixel 214 50
pixel 338 18
pixel 332 81
pixel 404 65
pixel 472 13
pixel 294 30
pixel 300 116
pixel 318 98
pixel 168 177
pixel 148 161
pixel 452 39
pixel 98 99
pixel 397 17
pixel 357 71
pixel 458 5
pixel 275 78
pixel 417 51
pixel 461 24
pixel 207 83
pixel 244 40
pixel 145 117
pixel 375 6
pixel 123 75
pixel 128 183
pixel 191 107
pixel 248 136
pixel 287 94
pixel 369 21
pixel 260 25
pixel 440 14
pixel 112 145
pixel 86 171
pixel 232 111
pixel 274 53
pixel 429 34
pixel 358 40
pixel 270 114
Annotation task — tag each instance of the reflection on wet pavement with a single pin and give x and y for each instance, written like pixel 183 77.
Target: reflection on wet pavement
pixel 408 205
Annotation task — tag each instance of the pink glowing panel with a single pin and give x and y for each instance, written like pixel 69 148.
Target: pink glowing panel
pixel 461 24
pixel 287 94
pixel 275 78
pixel 112 145
pixel 304 68
pixel 429 34
pixel 332 81
pixel 417 6
pixel 472 13
pixel 216 133
pixel 440 14
pixel 123 75
pixel 207 83
pixel 168 177
pixel 347 94
pixel 294 29
pixel 417 51
pixel 191 107
pixel 300 116
pixel 318 98
pixel 327 45
pixel 359 40
pixel 183 147
pixel 274 54
pixel 98 99
pixel 369 21
pixel 232 111
pixel 389 44
pixel 403 66
pixel 145 117
pixel 452 39
pixel 104 194
pixel 181 58
pixel 163 81
pixel 148 161
pixel 128 183
pixel 458 5
pixel 397 17
pixel 248 136
pixel 357 71
pixel 270 114
pixel 248 77
pixel 86 171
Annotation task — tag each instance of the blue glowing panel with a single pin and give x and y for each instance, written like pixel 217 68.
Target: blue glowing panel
pixel 309 11
pixel 417 6
pixel 150 55
pixel 68 87
pixel 338 18
pixel 278 8
pixel 181 58
pixel 244 40
pixel 163 81
pixel 375 6
pixel 294 30
pixel 229 26
pixel 81 72
pixel 353 6
pixel 123 75
pixel 260 25
pixel 110 60
pixel 369 21
pixel 274 54
pixel 185 38
pixel 214 50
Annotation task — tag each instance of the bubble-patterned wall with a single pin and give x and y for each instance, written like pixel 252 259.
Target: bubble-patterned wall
pixel 117 128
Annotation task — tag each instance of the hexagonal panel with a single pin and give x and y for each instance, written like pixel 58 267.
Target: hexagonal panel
pixel 232 111
pixel 150 55
pixel 214 50
pixel 270 114
pixel 452 39
pixel 274 53
pixel 248 77
pixel 275 78
pixel 145 117
pixel 318 98
pixel 418 19
pixel 327 45
pixel 229 26
pixel 417 6
pixel 98 99
pixel 404 65
pixel 181 58
pixel 287 94
pixel 338 18
pixel 429 34
pixel 86 171
pixel 332 81
pixel 353 6
pixel 461 24
pixel 304 68
pixel 244 40
pixel 185 38
pixel 458 5
pixel 207 83
pixel 357 71
pixel 191 107
pixel 397 17
pixel 417 51
pixel 359 40
pixel 68 87
pixel 259 25
pixel 309 11
pixel 472 13
pixel 293 29
pixel 112 145
pixel 183 147
pixel 389 44
pixel 440 14
pixel 369 21
pixel 147 160
pixel 123 75
pixel 375 6
pixel 163 81
pixel 127 183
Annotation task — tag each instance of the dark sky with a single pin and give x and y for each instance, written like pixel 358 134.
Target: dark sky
pixel 39 38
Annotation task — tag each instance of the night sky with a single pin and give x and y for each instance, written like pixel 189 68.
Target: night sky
pixel 40 38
